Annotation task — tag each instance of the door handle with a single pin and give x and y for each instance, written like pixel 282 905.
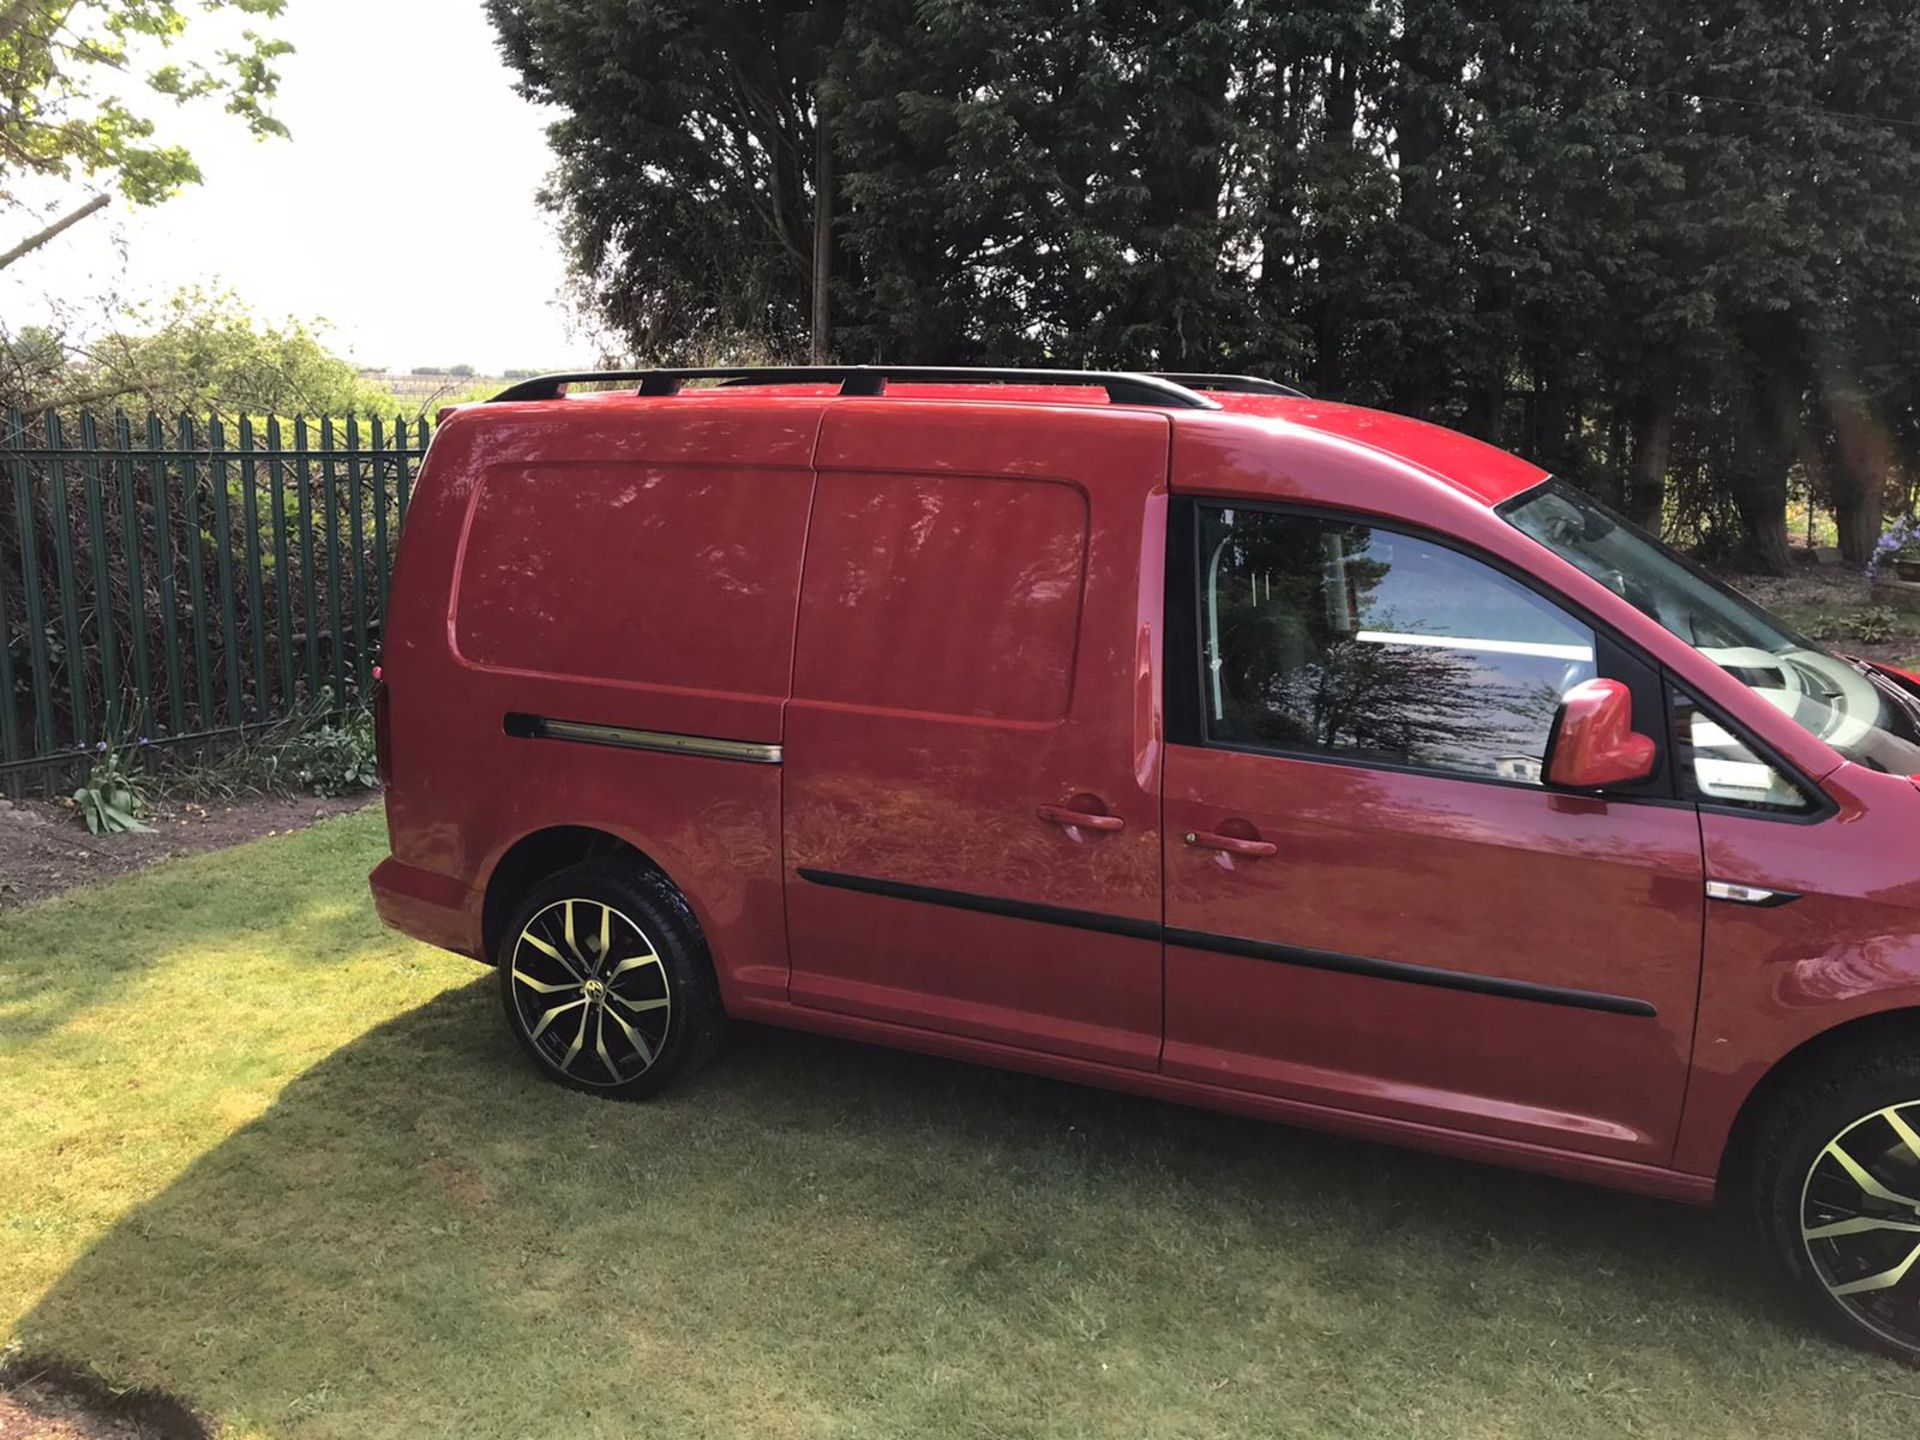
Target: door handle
pixel 1080 819
pixel 1232 844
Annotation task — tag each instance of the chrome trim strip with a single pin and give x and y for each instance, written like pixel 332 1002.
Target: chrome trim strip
pixel 1748 894
pixel 539 727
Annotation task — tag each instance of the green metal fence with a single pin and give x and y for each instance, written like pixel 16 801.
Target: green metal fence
pixel 185 582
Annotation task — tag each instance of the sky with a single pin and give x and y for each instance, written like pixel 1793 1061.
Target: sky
pixel 401 212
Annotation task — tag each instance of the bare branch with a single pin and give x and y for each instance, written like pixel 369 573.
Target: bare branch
pixel 55 230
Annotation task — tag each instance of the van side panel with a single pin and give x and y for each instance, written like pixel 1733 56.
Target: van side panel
pixel 981 589
pixel 870 611
pixel 692 570
pixel 636 566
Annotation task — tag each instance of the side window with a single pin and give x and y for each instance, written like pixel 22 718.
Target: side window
pixel 1368 644
pixel 1717 767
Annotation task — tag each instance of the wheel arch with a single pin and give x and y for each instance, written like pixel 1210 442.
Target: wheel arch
pixel 541 853
pixel 1882 1027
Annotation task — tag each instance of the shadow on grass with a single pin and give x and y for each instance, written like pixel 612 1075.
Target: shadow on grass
pixel 422 1237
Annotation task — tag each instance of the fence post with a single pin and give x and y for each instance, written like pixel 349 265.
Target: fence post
pixel 223 567
pixel 357 529
pixel 380 516
pixel 282 593
pixel 196 575
pixel 69 583
pixel 136 569
pixel 30 582
pixel 404 490
pixel 310 586
pixel 103 625
pixel 256 601
pixel 332 492
pixel 9 723
pixel 164 576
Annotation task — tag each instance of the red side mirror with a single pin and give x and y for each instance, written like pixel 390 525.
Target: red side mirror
pixel 1594 744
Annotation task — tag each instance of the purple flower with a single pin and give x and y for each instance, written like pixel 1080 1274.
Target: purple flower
pixel 1898 537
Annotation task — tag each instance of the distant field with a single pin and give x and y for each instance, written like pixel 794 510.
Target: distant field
pixel 418 388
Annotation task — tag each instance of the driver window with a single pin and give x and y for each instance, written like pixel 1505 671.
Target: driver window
pixel 1368 644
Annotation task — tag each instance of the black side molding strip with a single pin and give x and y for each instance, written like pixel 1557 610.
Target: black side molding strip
pixel 1410 974
pixel 1235 945
pixel 987 904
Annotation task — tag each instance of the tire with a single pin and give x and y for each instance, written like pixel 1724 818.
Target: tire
pixel 1836 1194
pixel 647 1007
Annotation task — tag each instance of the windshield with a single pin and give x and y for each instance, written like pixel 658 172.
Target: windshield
pixel 1865 715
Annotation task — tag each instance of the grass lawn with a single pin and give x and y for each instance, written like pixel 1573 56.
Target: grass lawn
pixel 264 1155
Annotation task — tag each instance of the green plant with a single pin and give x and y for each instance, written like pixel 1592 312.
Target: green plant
pixel 112 801
pixel 312 750
pixel 1874 625
pixel 334 758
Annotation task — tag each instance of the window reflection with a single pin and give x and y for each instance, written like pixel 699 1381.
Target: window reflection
pixel 1375 645
pixel 1718 766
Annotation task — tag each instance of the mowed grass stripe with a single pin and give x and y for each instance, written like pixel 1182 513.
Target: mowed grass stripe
pixel 287 1165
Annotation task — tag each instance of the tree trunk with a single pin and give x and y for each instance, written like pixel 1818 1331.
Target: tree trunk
pixel 1859 473
pixel 1767 436
pixel 1762 457
pixel 1760 497
pixel 1341 108
pixel 822 348
pixel 1646 497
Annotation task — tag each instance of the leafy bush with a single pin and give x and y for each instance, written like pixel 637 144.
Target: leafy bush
pixel 334 759
pixel 1873 626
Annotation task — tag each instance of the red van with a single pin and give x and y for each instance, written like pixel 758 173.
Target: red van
pixel 1179 734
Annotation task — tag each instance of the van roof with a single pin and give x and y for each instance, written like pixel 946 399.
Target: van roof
pixel 1473 467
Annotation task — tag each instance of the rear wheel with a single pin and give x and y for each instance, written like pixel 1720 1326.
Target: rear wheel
pixel 1838 1196
pixel 606 981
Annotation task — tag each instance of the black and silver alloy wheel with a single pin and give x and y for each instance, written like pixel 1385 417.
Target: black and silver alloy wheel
pixel 1834 1170
pixel 1860 1222
pixel 606 981
pixel 591 991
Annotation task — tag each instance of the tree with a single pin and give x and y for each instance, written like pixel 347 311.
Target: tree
pixel 210 354
pixel 1662 250
pixel 684 161
pixel 78 81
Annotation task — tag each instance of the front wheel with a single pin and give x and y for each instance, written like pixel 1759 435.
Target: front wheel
pixel 1838 1197
pixel 606 981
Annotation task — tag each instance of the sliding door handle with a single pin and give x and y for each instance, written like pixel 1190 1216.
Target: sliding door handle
pixel 1081 819
pixel 1232 844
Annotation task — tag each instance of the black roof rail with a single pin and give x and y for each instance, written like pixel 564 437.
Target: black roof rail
pixel 1122 387
pixel 1233 384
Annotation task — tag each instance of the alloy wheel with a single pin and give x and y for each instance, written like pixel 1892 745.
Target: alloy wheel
pixel 591 992
pixel 1860 1222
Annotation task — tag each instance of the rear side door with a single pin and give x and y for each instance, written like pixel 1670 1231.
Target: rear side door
pixel 1373 902
pixel 972 837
